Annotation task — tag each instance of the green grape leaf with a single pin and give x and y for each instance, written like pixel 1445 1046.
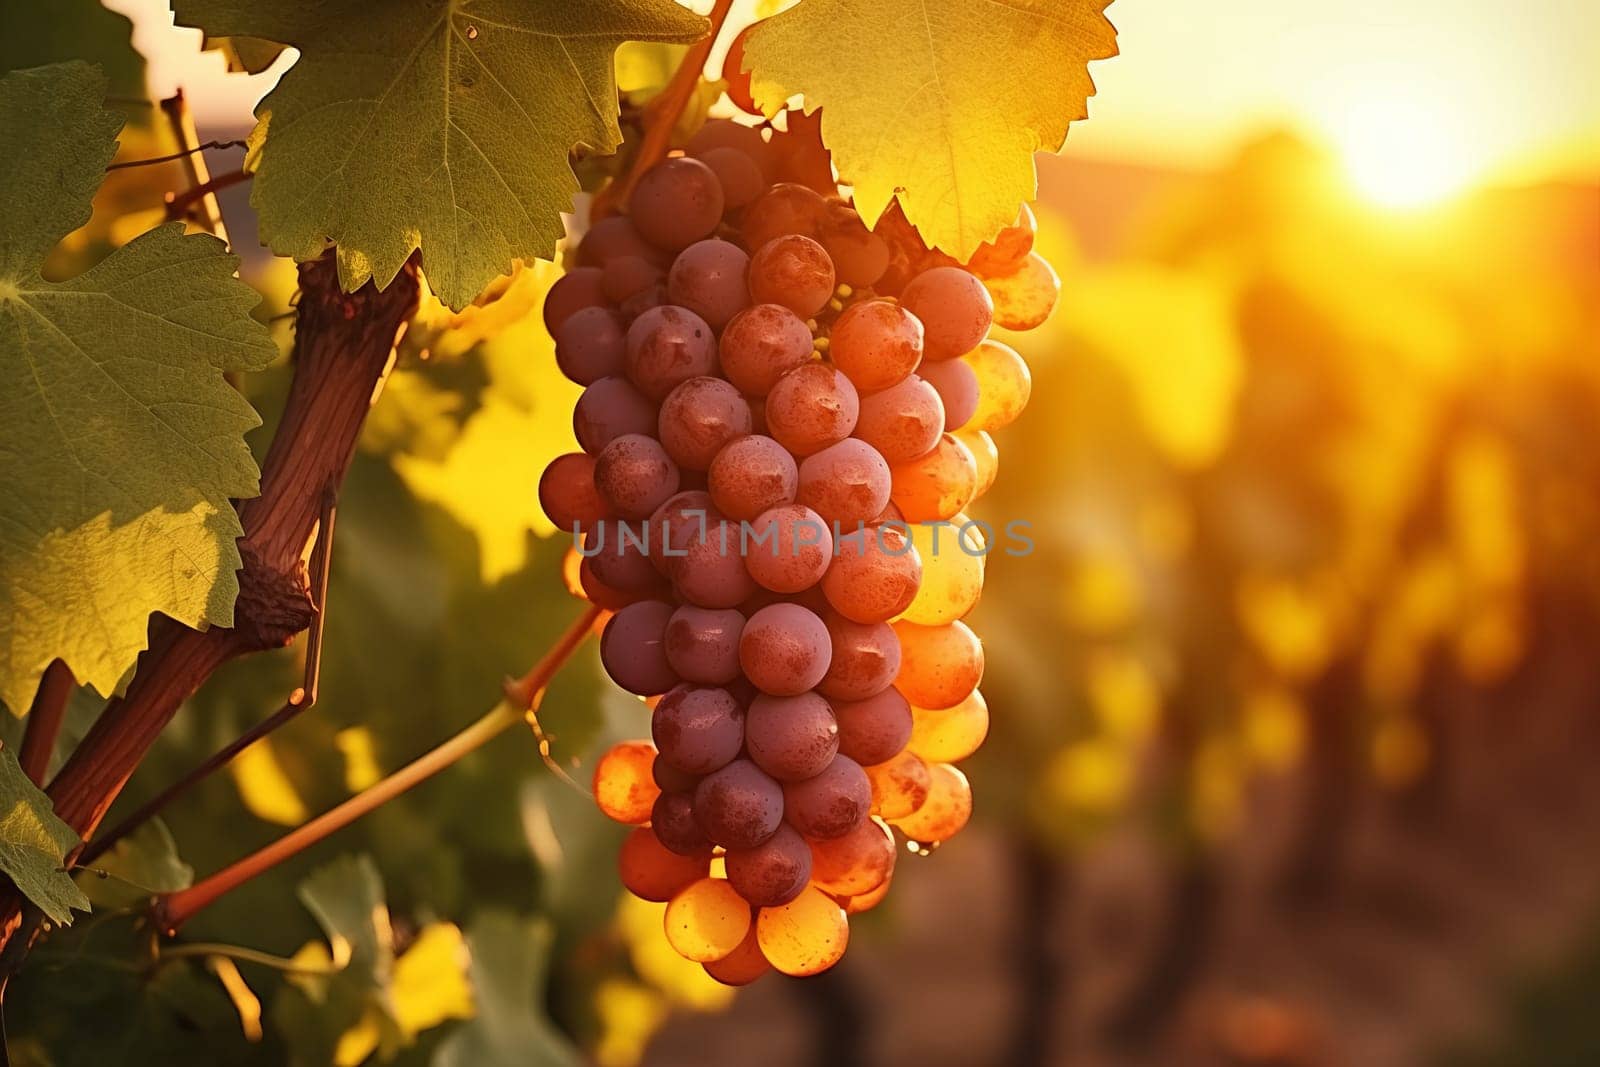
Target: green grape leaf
pixel 41 33
pixel 140 866
pixel 346 898
pixel 34 844
pixel 444 126
pixel 509 956
pixel 120 441
pixel 941 102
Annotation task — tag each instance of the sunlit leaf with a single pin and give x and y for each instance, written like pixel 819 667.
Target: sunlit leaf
pixel 445 127
pixel 943 102
pixel 120 441
pixel 34 844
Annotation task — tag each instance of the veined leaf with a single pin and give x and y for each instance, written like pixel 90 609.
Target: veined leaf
pixel 444 126
pixel 120 441
pixel 34 844
pixel 943 102
pixel 509 956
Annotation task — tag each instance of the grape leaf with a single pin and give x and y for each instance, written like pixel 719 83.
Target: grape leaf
pixel 508 964
pixel 444 126
pixel 34 844
pixel 943 102
pixel 76 29
pixel 120 441
pixel 141 865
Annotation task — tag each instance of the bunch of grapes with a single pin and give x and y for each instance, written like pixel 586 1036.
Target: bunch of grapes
pixel 785 416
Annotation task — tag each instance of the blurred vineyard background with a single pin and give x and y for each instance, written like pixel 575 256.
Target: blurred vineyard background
pixel 1295 707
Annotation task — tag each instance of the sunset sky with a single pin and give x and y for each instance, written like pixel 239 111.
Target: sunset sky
pixel 1417 96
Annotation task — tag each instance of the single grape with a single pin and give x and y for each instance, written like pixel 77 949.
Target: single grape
pixel 632 649
pixel 708 278
pixel 952 571
pixel 741 966
pixel 860 902
pixel 805 936
pixel 651 296
pixel 945 812
pixel 937 486
pixel 940 666
pixel 651 871
pixel 706 920
pixel 702 644
pixel 1004 254
pixel 725 133
pixel 1004 385
pixel 784 649
pixel 573 291
pixel 899 785
pixel 876 343
pixel 787 549
pixel 698 418
pixel 829 804
pixel 949 735
pixel 784 209
pixel 791 738
pixel 673 821
pixel 624 788
pixel 676 203
pixel 698 729
pixel 859 256
pixel 738 806
pixel 739 175
pixel 750 475
pixel 1025 298
pixel 955 309
pixel 812 407
pixel 875 729
pixel 846 483
pixel 615 551
pixel 634 475
pixel 613 238
pixel 794 271
pixel 763 343
pixel 590 345
pixel 681 520
pixel 568 495
pixel 667 346
pixel 773 872
pixel 865 659
pixel 874 574
pixel 957 386
pixel 904 421
pixel 626 276
pixel 600 594
pixel 669 778
pixel 984 455
pixel 711 573
pixel 857 862
pixel 609 409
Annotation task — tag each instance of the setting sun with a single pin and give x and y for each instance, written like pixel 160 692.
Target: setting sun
pixel 1404 151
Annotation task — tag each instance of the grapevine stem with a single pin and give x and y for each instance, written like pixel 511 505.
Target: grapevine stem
pixel 665 108
pixel 301 699
pixel 178 204
pixel 173 156
pixel 44 720
pixel 172 910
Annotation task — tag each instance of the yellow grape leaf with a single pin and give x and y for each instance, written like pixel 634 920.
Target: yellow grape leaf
pixel 264 785
pixel 943 102
pixel 439 126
